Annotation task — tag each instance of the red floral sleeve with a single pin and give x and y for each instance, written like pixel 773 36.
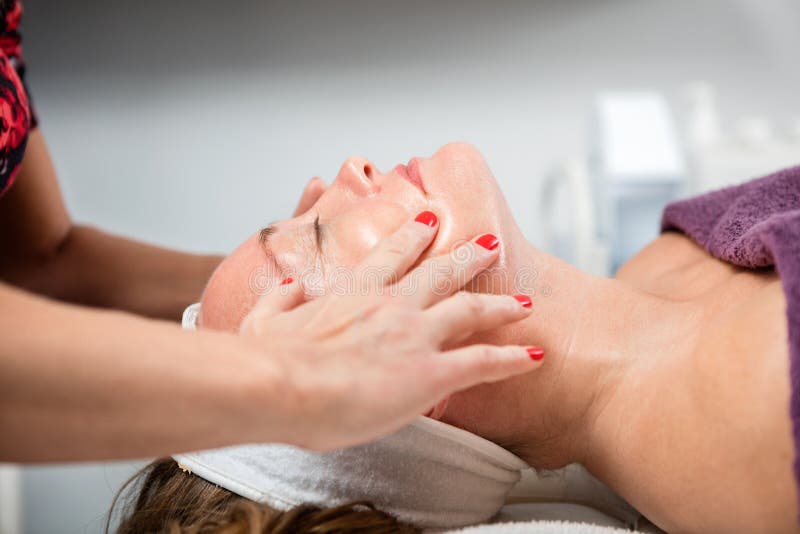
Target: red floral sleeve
pixel 16 116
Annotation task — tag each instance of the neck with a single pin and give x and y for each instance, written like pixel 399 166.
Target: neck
pixel 591 329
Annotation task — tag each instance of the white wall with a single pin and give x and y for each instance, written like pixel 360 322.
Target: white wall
pixel 190 123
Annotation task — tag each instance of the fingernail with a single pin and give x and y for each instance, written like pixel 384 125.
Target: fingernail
pixel 488 241
pixel 287 281
pixel 536 353
pixel 525 300
pixel 427 218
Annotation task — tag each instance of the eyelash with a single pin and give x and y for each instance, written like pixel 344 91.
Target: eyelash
pixel 318 236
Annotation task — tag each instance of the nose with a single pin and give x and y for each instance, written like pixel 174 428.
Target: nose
pixel 358 174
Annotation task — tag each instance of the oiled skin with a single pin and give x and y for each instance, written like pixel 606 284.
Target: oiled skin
pixel 703 438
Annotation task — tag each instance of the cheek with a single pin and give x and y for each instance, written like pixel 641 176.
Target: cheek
pixel 354 234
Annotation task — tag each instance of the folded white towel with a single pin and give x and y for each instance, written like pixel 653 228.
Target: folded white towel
pixel 428 474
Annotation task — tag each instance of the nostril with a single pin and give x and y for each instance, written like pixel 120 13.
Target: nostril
pixel 368 171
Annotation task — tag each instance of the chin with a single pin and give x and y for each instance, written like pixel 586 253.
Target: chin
pixel 466 196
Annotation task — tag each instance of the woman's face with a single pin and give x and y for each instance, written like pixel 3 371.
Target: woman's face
pixel 360 207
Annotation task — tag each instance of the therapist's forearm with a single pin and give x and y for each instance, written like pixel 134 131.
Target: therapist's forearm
pixel 95 268
pixel 81 384
pixel 42 250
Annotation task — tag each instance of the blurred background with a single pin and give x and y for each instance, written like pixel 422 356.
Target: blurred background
pixel 190 123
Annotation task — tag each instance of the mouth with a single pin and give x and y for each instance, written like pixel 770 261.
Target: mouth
pixel 411 173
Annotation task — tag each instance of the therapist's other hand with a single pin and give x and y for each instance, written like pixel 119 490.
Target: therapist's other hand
pixel 311 193
pixel 362 364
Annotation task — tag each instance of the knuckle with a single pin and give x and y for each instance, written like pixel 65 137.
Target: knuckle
pixel 409 237
pixel 395 310
pixel 393 333
pixel 395 245
pixel 418 233
pixel 434 269
pixel 485 358
pixel 413 322
pixel 472 302
pixel 255 322
pixel 464 255
pixel 375 276
pixel 397 325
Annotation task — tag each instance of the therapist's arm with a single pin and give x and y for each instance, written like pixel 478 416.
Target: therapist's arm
pixel 80 384
pixel 42 250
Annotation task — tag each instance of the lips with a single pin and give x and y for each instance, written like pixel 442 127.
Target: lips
pixel 411 173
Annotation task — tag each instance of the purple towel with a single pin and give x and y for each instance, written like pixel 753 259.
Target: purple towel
pixel 754 225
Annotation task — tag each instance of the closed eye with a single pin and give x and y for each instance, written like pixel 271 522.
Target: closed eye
pixel 264 238
pixel 317 233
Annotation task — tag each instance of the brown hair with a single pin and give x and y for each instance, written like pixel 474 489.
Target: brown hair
pixel 163 498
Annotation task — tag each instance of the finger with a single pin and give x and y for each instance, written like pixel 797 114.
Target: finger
pixel 458 317
pixel 440 277
pixel 311 193
pixel 287 295
pixel 462 368
pixel 391 258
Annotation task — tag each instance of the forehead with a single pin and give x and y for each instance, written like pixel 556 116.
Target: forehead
pixel 232 290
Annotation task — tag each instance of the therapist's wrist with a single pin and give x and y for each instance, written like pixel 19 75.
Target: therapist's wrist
pixel 238 390
pixel 271 400
pixel 291 401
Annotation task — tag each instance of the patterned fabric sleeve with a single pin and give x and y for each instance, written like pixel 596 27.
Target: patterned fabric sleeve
pixel 16 116
pixel 11 45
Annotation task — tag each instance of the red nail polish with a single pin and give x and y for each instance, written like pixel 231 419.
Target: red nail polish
pixel 427 218
pixel 488 241
pixel 287 281
pixel 525 300
pixel 536 353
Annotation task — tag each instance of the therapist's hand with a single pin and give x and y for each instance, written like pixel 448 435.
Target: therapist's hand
pixel 360 365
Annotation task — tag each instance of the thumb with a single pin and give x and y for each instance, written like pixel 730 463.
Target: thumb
pixel 285 296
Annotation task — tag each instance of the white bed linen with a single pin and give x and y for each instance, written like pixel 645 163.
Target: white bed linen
pixel 566 501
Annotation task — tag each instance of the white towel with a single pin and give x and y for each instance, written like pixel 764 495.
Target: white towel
pixel 429 474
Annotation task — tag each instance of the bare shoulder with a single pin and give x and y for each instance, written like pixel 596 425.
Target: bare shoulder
pixel 725 391
pixel 674 267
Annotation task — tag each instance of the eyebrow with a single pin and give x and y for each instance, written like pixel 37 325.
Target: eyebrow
pixel 317 234
pixel 263 240
pixel 271 229
pixel 263 235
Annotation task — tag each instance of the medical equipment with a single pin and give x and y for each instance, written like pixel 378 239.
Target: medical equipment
pixel 752 147
pixel 10 505
pixel 636 166
pixel 597 212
